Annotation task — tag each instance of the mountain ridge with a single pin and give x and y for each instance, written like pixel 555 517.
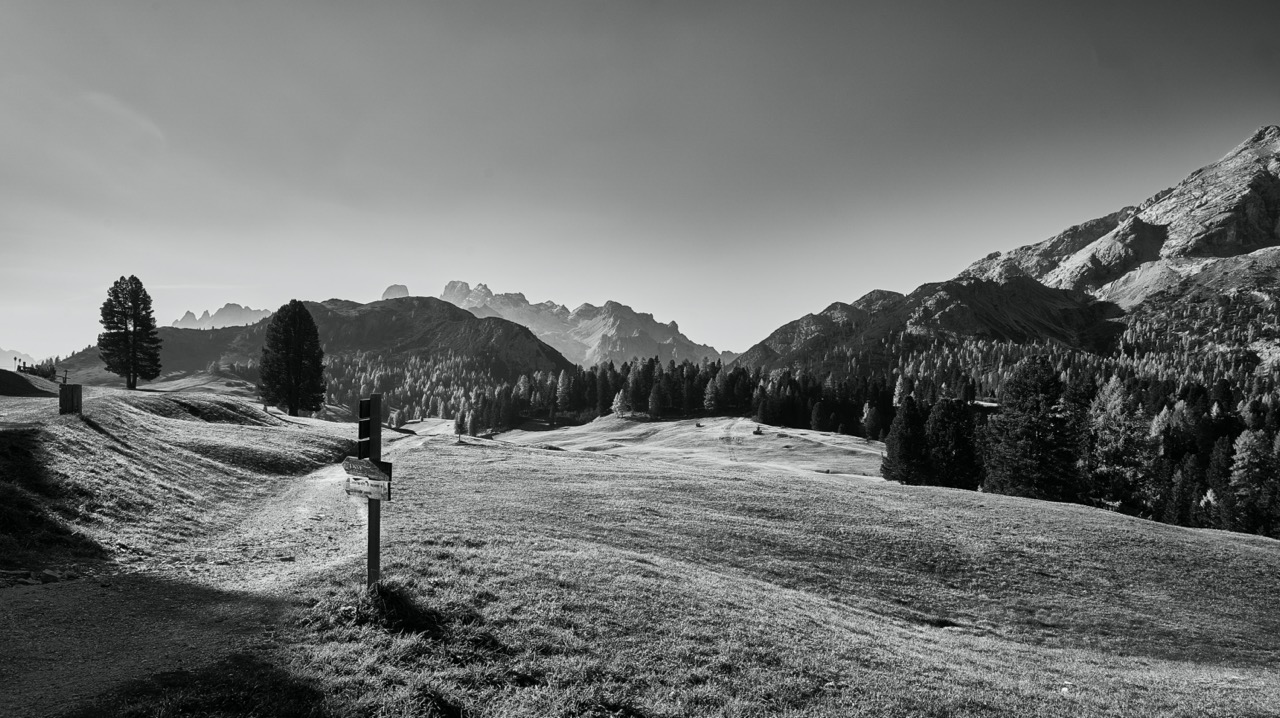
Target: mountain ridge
pixel 1218 230
pixel 589 334
pixel 230 315
pixel 1216 217
pixel 403 326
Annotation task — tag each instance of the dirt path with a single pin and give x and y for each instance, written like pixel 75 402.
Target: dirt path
pixel 61 643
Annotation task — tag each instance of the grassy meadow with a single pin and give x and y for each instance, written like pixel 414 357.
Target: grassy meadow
pixel 529 581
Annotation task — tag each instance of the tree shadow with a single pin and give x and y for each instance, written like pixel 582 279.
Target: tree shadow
pixel 31 536
pixel 153 645
pixel 241 684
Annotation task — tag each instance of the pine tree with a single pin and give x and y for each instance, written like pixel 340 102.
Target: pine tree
pixel 655 401
pixel 818 417
pixel 953 451
pixel 620 403
pixel 292 361
pixel 129 344
pixel 1220 501
pixel 1034 440
pixel 711 397
pixel 564 391
pixel 1120 450
pixel 906 457
pixel 1252 471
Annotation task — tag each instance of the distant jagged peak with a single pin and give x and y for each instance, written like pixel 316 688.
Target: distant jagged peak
pixel 395 291
pixel 456 292
pixel 230 315
pixel 589 334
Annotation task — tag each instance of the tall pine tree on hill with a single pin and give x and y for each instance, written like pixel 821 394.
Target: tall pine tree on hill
pixel 292 361
pixel 129 344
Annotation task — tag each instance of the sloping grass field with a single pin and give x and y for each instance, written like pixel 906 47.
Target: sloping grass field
pixel 137 470
pixel 543 580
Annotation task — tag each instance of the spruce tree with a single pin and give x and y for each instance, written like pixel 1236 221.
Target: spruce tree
pixel 1120 450
pixel 655 401
pixel 292 361
pixel 129 344
pixel 953 450
pixel 1252 471
pixel 1035 439
pixel 906 453
pixel 1221 508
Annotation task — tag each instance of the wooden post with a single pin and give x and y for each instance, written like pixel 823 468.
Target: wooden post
pixel 374 449
pixel 369 476
pixel 69 398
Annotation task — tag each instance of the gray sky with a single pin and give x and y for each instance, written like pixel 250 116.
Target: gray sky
pixel 730 165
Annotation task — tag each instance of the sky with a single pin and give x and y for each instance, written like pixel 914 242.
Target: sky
pixel 731 165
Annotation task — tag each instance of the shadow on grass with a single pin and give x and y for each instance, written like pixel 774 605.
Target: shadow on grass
pixel 239 685
pixel 139 623
pixel 30 534
pixel 392 606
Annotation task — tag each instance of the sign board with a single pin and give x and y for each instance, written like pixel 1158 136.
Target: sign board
pixel 369 469
pixel 378 490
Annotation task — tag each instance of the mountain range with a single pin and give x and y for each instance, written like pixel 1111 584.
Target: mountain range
pixel 589 334
pixel 1217 231
pixel 408 326
pixel 230 315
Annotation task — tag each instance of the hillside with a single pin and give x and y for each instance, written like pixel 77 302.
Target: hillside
pixel 528 581
pixel 1017 309
pixel 587 335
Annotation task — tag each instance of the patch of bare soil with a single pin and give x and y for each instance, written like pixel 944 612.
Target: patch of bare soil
pixel 146 613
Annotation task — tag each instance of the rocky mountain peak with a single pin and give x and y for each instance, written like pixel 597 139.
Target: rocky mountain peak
pixel 395 291
pixel 230 315
pixel 589 334
pixel 1221 213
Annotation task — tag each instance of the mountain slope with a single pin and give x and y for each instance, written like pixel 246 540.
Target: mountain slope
pixel 589 334
pixel 1218 231
pixel 1221 218
pixel 1018 309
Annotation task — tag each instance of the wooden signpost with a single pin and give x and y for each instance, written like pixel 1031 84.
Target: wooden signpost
pixel 369 476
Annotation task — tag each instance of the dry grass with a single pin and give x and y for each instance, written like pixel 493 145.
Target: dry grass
pixel 137 471
pixel 527 582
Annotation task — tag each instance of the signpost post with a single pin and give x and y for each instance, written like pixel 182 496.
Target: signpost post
pixel 369 476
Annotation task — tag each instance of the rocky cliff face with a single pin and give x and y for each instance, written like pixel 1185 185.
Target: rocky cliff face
pixel 1221 218
pixel 230 315
pixel 589 334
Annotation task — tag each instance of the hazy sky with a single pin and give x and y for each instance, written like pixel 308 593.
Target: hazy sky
pixel 731 165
